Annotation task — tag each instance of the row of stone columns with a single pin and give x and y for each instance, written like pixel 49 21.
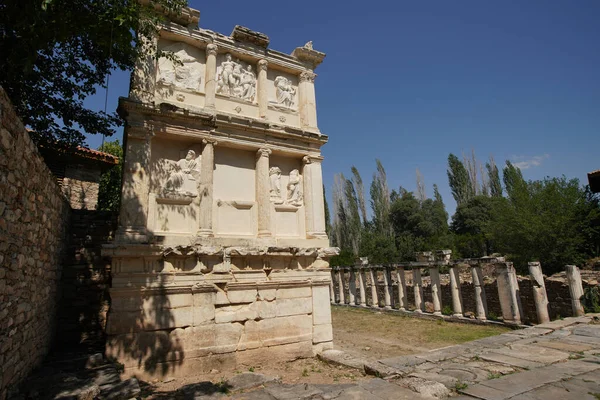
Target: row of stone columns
pixel 508 289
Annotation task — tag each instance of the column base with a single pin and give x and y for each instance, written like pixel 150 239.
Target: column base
pixel 437 313
pixel 457 315
pixel 316 235
pixel 481 318
pixel 205 233
pixel 264 234
pixel 388 307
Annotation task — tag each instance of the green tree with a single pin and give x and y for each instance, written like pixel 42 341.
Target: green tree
pixel 55 53
pixel 458 179
pixel 109 193
pixel 494 178
pixel 380 201
pixel 327 216
pixel 472 223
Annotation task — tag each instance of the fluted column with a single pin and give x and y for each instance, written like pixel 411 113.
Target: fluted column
pixel 133 219
pixel 206 187
pixel 539 292
pixel 575 289
pixel 480 298
pixel 314 204
pixel 386 289
pixel 436 289
pixel 262 91
pixel 361 286
pixel 373 276
pixel 457 306
pixel 341 286
pixel 210 76
pixel 418 290
pixel 262 192
pixel 508 292
pixel 402 295
pixel 307 103
pixel 352 287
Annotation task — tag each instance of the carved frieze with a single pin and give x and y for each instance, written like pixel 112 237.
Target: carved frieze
pixel 186 75
pixel 284 91
pixel 183 177
pixel 236 80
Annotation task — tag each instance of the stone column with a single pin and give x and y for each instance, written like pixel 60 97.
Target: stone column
pixel 133 218
pixel 455 290
pixel 361 286
pixel 331 291
pixel 575 289
pixel 480 299
pixel 262 92
pixel 418 289
pixel 210 76
pixel 352 287
pixel 539 292
pixel 402 295
pixel 262 192
pixel 341 285
pixel 436 289
pixel 508 293
pixel 373 276
pixel 207 166
pixel 387 292
pixel 306 100
pixel 314 204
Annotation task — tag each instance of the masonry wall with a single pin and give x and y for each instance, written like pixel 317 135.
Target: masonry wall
pixel 81 185
pixel 34 217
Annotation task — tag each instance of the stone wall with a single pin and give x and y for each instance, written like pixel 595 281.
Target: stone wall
pixel 33 220
pixel 81 185
pixel 556 288
pixel 85 281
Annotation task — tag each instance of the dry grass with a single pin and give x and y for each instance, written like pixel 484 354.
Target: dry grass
pixel 374 335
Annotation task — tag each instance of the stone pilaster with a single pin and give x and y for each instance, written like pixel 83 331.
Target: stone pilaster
pixel 210 79
pixel 206 188
pixel 307 103
pixel 436 289
pixel 133 218
pixel 373 276
pixel 575 289
pixel 314 204
pixel 418 290
pixel 262 192
pixel 143 76
pixel 402 294
pixel 508 293
pixel 480 298
pixel 539 292
pixel 262 91
pixel 331 291
pixel 457 306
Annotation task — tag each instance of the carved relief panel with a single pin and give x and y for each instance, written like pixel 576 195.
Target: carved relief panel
pixel 236 79
pixel 188 75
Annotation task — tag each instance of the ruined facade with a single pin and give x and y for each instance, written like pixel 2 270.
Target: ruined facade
pixel 221 253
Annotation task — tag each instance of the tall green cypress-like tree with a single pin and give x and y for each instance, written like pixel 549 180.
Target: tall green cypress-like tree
pixel 494 178
pixel 360 193
pixel 327 215
pixel 458 179
pixel 380 201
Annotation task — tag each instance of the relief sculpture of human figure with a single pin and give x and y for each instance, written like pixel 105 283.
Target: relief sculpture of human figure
pixel 294 188
pixel 182 179
pixel 233 80
pixel 275 180
pixel 285 91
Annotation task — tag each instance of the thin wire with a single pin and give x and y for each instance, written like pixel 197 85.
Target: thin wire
pixel 108 74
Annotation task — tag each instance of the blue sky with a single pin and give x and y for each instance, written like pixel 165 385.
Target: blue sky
pixel 411 82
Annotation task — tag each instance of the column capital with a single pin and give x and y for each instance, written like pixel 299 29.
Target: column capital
pixel 263 152
pixel 307 76
pixel 308 159
pixel 211 49
pixel 206 141
pixel 262 64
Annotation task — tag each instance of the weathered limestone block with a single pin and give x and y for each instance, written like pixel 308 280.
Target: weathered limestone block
pixel 322 333
pixel 321 311
pixel 285 330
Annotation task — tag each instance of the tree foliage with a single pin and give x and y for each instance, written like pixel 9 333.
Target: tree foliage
pixel 55 53
pixel 109 193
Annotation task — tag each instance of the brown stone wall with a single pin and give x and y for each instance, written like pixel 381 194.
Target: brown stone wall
pixel 80 186
pixel 33 221
pixel 556 289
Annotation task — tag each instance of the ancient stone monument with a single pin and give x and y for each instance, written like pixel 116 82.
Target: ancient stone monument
pixel 221 253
